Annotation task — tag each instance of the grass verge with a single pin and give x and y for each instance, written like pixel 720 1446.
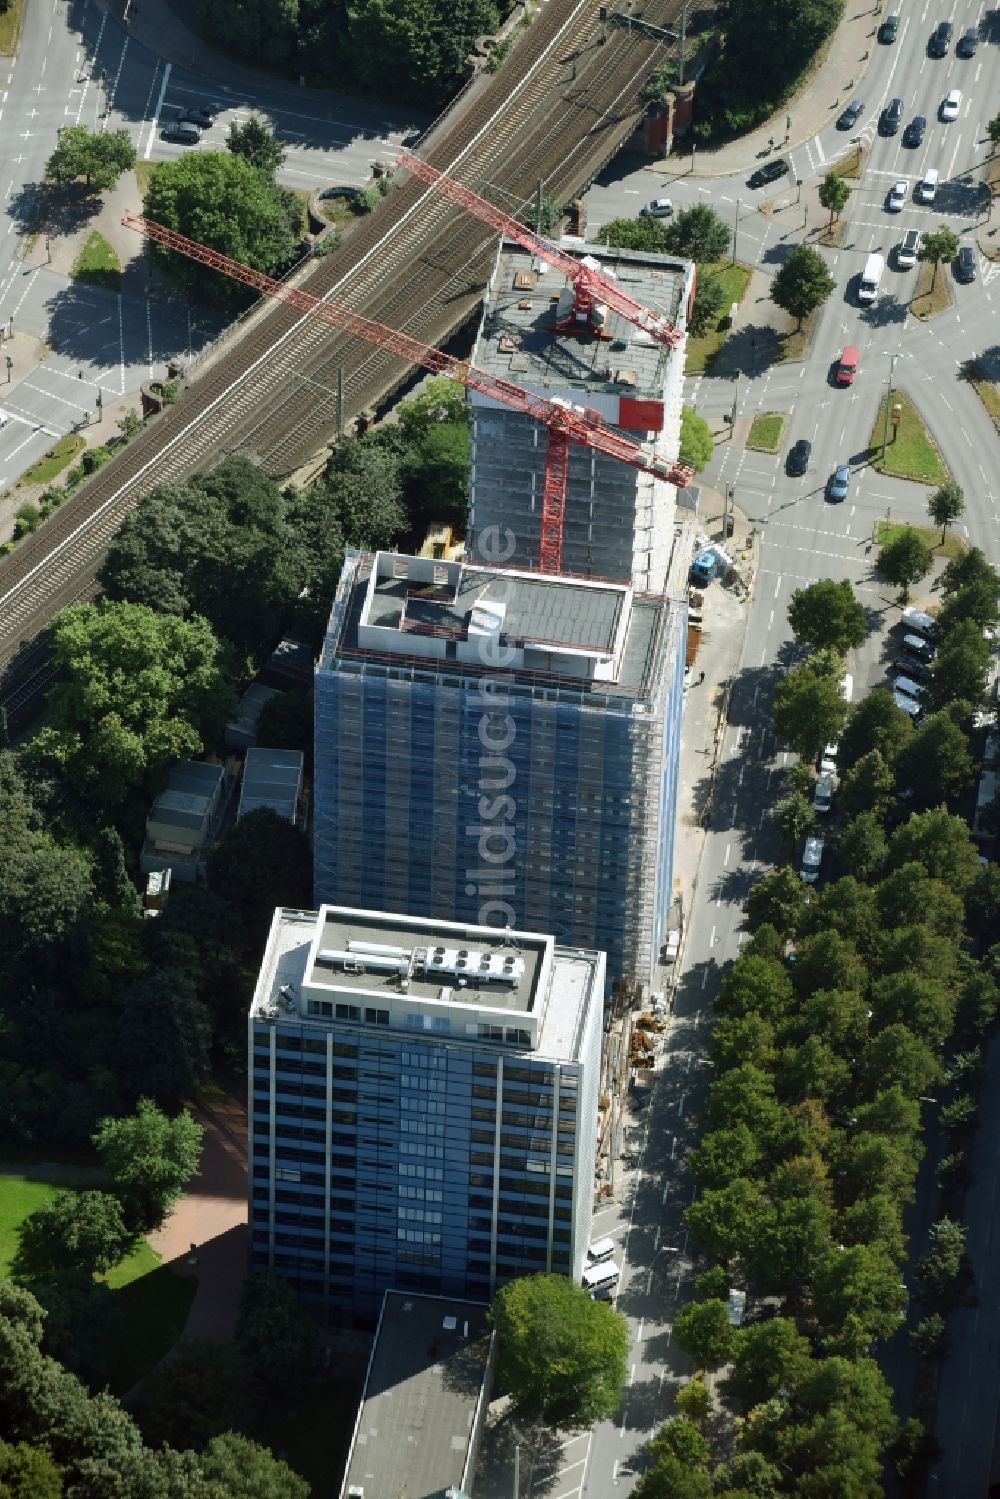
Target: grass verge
pixel 832 235
pixel 930 296
pixel 954 546
pixel 735 279
pixel 914 454
pixel 852 165
pixel 143 175
pixel 53 462
pixel 98 263
pixel 312 1431
pixel 796 343
pixel 766 431
pixel 10 28
pixel 985 389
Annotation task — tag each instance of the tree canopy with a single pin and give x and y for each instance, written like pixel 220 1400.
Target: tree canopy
pixel 98 157
pixel 698 233
pixel 634 234
pixel 264 861
pixel 827 613
pixel 834 192
pixel 809 711
pixel 82 1231
pixel 561 1355
pixel 905 558
pixel 149 1159
pixel 696 445
pixel 945 505
pixel 937 245
pixel 256 144
pixel 802 283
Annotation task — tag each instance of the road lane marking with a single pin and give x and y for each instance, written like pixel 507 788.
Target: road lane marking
pixel 156 112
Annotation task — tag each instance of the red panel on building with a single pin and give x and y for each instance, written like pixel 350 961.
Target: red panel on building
pixel 640 416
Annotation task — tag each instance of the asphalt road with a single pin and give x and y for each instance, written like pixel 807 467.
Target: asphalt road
pixel 804 537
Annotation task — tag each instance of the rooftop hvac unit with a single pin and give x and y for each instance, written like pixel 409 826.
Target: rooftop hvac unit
pixel 377 949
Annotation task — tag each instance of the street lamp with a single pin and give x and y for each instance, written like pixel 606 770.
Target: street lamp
pixel 888 403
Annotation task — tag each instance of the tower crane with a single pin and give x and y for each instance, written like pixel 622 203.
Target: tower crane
pixel 590 284
pixel 566 422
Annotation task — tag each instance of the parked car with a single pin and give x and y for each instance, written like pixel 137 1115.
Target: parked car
pixel 951 104
pixel 851 115
pixel 847 366
pixel 769 172
pixel 183 131
pixel 798 457
pixel 906 250
pixel 909 666
pixel 914 132
pixel 941 39
pixel 202 114
pixel 896 201
pixel 892 117
pixel 968 42
pixel 965 263
pixel 812 858
pixel 826 785
pixel 889 29
pixel 656 208
pixel 839 482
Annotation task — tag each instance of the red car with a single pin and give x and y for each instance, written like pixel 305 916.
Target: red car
pixel 847 367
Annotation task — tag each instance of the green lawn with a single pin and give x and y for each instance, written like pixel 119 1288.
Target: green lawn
pixel 311 1433
pixel 143 172
pixel 914 454
pixel 933 293
pixel 10 27
pixel 53 462
pixel 154 1301
pixel 98 263
pixel 766 430
pixel 954 545
pixel 734 278
pixel 986 390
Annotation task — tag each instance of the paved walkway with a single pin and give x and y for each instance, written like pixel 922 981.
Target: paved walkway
pixel 810 110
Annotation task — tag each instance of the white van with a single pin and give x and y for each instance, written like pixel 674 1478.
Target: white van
pixel 601 1249
pixel 601 1277
pixel 846 687
pixel 870 278
pixel 812 858
pixel 916 622
pixel 823 795
pixel 927 187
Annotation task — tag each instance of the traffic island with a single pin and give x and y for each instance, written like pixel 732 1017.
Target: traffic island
pixel 767 431
pixel 953 545
pixel 734 279
pixel 795 343
pixel 933 293
pixel 975 374
pixel 910 451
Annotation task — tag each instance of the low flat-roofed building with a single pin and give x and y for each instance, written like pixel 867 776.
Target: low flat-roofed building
pixel 425 1400
pixel 271 778
pixel 184 820
pixel 241 730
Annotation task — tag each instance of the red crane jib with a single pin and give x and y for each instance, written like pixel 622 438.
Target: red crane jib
pixel 591 285
pixel 565 423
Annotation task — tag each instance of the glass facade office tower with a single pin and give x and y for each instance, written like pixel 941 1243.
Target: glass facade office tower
pixel 423 1106
pixel 500 747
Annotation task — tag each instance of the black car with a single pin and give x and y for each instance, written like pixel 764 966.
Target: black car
pixel 965 264
pixel 941 40
pixel 203 115
pixel 851 115
pixel 184 131
pixel 769 172
pixel 892 117
pixel 968 42
pixel 914 132
pixel 798 457
pixel 909 666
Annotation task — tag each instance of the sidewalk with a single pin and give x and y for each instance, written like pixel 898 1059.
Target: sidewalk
pixel 810 110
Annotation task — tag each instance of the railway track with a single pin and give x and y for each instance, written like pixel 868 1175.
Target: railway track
pixel 418 264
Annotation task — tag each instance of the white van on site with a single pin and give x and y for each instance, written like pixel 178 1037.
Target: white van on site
pixel 916 622
pixel 812 858
pixel 870 278
pixel 601 1249
pixel 601 1277
pixel 846 687
pixel 926 189
pixel 826 785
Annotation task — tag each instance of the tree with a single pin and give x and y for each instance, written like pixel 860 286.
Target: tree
pixel 904 559
pixel 867 786
pixel 945 505
pixel 697 445
pixel 945 1266
pixel 698 233
pixel 896 1056
pixel 959 670
pixel 937 762
pixel 264 861
pixel 993 131
pixel 808 710
pixel 834 192
pixel 856 1288
pixel 681 1439
pixel 28 1473
pixel 723 1155
pixel 561 1356
pixel 672 1478
pixel 150 1159
pixel 257 145
pixel 164 1037
pixel 198 1393
pixel 273 1332
pixel 246 1470
pixel 703 1330
pixel 693 1401
pixel 724 1220
pixel 709 301
pixel 633 234
pixel 803 283
pixel 937 245
pixel 82 1231
pixel 827 613
pixel 982 903
pixel 100 159
pixel 542 216
pixel 794 817
pixel 223 202
pixel 874 723
pixel 768 1356
pixel 748 1475
pixel 776 899
pixel 755 984
pixel 743 1038
pixel 136 690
